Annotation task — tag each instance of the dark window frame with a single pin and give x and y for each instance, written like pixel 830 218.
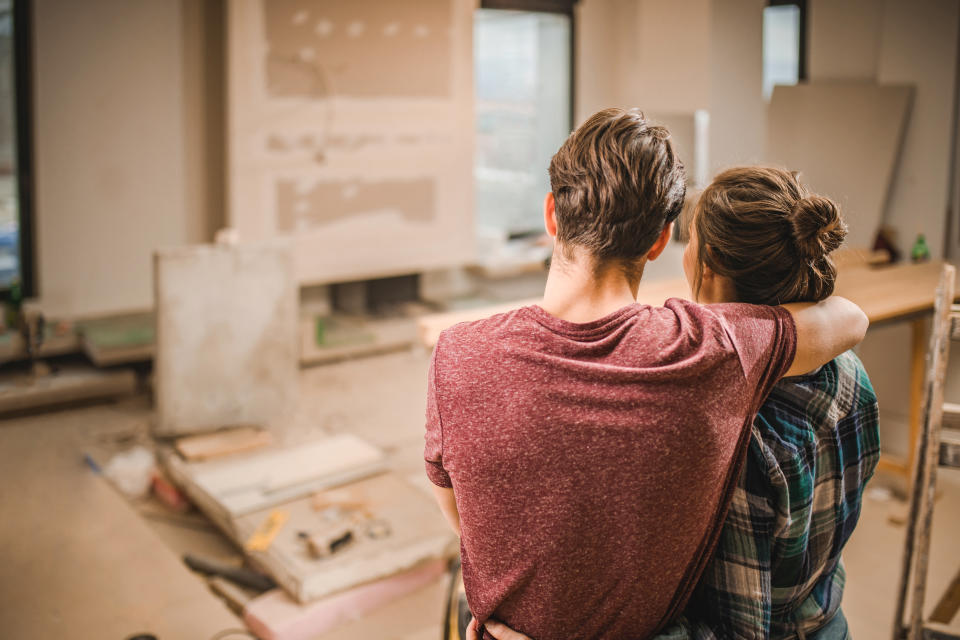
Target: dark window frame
pixel 23 110
pixel 804 18
pixel 563 7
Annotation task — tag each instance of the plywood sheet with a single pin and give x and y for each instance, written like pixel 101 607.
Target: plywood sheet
pixel 350 128
pixel 416 532
pixel 845 139
pixel 226 336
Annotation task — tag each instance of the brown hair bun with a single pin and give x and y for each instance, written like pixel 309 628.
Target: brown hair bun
pixel 817 226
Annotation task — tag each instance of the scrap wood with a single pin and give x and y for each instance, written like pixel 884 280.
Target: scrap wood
pixel 406 529
pixel 264 535
pixel 277 616
pixel 222 443
pixel 230 487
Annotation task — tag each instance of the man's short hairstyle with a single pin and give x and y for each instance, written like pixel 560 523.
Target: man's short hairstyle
pixel 617 182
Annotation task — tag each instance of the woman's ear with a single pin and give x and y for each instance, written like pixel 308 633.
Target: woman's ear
pixel 550 215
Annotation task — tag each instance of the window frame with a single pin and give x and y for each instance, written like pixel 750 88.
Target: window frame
pixel 562 7
pixel 802 53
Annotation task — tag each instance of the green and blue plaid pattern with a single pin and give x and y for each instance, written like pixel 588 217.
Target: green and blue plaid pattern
pixel 776 572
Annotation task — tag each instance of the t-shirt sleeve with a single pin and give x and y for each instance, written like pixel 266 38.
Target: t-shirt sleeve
pixel 765 339
pixel 433 438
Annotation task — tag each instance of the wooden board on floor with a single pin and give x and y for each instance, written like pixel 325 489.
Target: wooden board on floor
pixel 276 616
pixel 844 137
pixel 79 562
pixel 226 442
pixel 415 531
pixel 228 488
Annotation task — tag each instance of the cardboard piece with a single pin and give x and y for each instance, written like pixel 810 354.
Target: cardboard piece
pixel 844 137
pixel 226 336
pixel 276 616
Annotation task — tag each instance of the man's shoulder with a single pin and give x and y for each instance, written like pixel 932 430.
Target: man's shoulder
pixel 476 333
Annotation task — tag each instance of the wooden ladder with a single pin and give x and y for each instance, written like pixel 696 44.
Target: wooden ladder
pixel 938 445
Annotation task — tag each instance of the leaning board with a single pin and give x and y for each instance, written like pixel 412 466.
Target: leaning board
pixel 227 351
pixel 844 138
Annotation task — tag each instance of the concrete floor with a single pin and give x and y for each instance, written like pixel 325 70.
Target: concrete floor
pixel 380 399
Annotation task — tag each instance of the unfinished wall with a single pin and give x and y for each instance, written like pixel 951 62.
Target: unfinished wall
pixel 351 128
pixel 118 173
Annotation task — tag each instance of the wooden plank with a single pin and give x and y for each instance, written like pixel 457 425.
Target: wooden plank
pixel 927 456
pixel 223 443
pixel 277 616
pixel 397 526
pixel 227 488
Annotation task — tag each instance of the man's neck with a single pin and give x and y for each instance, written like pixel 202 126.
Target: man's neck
pixel 575 294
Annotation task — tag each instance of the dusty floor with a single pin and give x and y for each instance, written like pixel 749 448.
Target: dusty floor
pixel 378 398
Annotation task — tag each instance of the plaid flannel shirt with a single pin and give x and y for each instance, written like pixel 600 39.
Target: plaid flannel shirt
pixel 776 572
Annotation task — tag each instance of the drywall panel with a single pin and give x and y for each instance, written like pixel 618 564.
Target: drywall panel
pixel 109 107
pixel 227 350
pixel 350 130
pixel 844 138
pixel 919 46
pixel 843 39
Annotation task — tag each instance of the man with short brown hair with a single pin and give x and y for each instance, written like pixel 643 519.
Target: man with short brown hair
pixel 585 448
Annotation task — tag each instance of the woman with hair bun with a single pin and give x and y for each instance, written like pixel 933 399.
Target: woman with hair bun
pixel 759 236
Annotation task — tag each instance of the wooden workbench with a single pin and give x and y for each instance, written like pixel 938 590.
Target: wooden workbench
pixel 886 294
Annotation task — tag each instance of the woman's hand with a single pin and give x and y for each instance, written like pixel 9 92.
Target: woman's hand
pixel 498 630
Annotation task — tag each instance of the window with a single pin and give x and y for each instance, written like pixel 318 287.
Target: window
pixel 15 230
pixel 784 50
pixel 523 81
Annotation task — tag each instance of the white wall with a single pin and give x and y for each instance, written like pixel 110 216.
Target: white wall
pixel 676 57
pixel 909 42
pixel 114 179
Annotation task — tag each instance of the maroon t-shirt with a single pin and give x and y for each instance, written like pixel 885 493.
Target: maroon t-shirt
pixel 592 463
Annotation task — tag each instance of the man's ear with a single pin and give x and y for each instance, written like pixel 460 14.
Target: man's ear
pixel 550 215
pixel 662 241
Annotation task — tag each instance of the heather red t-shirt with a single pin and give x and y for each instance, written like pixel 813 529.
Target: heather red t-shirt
pixel 592 463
